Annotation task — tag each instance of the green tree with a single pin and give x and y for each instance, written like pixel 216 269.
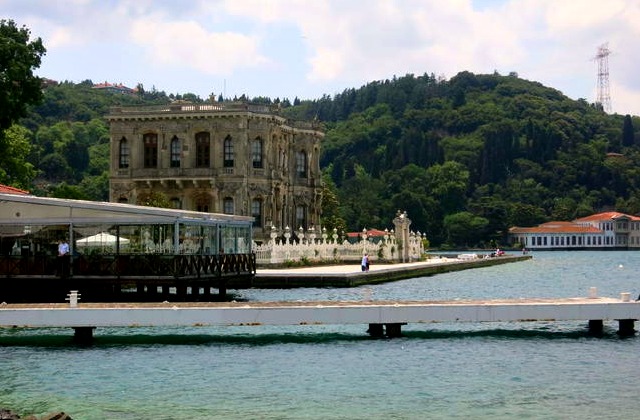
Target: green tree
pixel 464 228
pixel 331 218
pixel 64 190
pixel 627 132
pixel 154 199
pixel 19 88
pixel 361 204
pixel 15 170
pixel 448 183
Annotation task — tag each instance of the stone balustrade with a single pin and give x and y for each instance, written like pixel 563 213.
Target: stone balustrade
pixel 285 247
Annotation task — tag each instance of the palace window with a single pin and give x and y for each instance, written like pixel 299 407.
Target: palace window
pixel 123 154
pixel 227 205
pixel 203 206
pixel 150 141
pixel 256 212
pixel 228 152
pixel 175 152
pixel 203 150
pixel 256 152
pixel 301 216
pixel 301 164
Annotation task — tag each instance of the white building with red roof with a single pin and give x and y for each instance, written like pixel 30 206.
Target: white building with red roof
pixel 608 230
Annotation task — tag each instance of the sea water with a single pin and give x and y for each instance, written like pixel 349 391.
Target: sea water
pixel 550 370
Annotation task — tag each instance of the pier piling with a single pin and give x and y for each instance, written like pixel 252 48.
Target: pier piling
pixel 376 330
pixel 596 327
pixel 626 327
pixel 83 335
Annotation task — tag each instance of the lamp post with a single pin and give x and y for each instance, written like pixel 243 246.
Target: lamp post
pixel 364 241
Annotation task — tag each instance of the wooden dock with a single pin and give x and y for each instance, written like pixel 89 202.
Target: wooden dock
pixel 382 317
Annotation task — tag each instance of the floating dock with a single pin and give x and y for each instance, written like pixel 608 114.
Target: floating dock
pixel 384 318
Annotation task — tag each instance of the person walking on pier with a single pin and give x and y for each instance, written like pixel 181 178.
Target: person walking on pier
pixel 365 262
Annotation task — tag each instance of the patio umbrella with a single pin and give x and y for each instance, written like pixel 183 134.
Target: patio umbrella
pixel 101 240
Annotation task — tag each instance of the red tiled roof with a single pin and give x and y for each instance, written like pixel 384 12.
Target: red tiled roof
pixel 556 227
pixel 370 232
pixel 606 217
pixel 5 189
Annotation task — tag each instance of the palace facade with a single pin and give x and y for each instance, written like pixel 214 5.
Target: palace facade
pixel 608 230
pixel 231 158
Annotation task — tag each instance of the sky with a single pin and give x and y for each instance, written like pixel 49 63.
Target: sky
pixel 309 48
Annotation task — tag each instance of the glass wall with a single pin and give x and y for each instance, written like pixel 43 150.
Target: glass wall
pixel 91 239
pixel 30 240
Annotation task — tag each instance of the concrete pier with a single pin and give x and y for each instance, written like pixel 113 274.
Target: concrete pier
pixel 351 275
pixel 384 318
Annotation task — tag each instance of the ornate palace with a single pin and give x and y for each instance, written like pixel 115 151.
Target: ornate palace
pixel 232 158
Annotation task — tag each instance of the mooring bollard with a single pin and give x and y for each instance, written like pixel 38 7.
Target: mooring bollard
pixel 593 292
pixel 73 297
pixel 625 297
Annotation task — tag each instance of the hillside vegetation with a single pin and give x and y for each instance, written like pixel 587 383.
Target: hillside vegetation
pixel 467 158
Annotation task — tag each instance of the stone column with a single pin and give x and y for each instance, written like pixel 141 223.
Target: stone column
pixel 402 223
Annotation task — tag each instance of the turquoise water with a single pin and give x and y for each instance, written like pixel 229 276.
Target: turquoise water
pixel 493 371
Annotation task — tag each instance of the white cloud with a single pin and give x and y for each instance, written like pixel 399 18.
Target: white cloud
pixel 624 100
pixel 188 44
pixel 317 47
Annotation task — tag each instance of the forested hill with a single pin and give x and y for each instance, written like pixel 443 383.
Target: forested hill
pixel 472 156
pixel 467 158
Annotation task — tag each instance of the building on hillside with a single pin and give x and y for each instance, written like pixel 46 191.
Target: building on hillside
pixel 114 88
pixel 231 158
pixel 608 230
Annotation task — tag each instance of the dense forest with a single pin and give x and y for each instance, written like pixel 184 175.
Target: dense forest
pixel 474 155
pixel 466 157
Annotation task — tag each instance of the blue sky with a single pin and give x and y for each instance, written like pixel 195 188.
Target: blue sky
pixel 307 48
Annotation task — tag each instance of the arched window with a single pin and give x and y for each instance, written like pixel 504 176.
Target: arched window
pixel 150 141
pixel 301 164
pixel 175 152
pixel 256 152
pixel 123 154
pixel 203 150
pixel 256 212
pixel 228 152
pixel 227 205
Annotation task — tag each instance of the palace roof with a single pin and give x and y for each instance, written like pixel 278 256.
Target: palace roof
pixel 606 217
pixel 556 227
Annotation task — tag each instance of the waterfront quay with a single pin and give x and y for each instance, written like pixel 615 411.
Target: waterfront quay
pixel 380 318
pixel 351 275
